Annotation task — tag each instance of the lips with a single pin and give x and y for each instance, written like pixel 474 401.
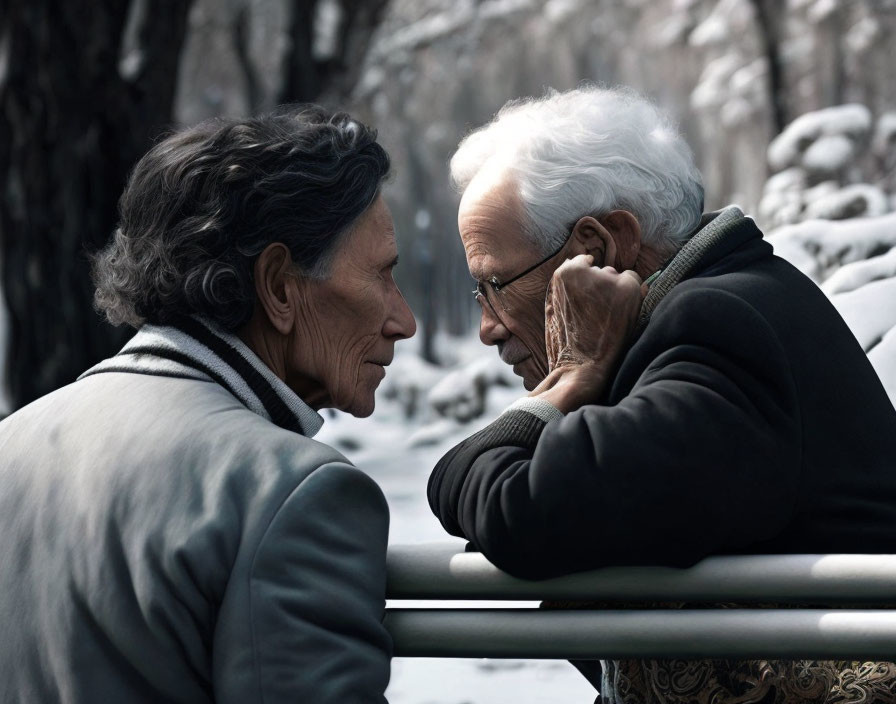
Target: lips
pixel 516 367
pixel 513 354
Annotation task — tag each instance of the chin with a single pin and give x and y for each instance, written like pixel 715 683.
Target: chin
pixel 362 412
pixel 361 406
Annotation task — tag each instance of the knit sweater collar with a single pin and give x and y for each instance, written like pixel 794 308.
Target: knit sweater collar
pixel 717 228
pixel 197 348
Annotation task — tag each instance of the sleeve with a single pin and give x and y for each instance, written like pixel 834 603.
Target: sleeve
pixel 316 598
pixel 702 456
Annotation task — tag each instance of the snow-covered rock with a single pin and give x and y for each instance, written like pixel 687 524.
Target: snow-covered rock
pixel 825 170
pixel 408 381
pixel 856 274
pixel 856 200
pixel 787 149
pixel 829 154
pixel 461 394
pixel 832 244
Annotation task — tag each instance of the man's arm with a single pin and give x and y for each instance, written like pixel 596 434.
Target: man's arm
pixel 703 455
pixel 315 596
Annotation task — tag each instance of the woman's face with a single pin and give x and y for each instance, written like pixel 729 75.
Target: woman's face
pixel 351 321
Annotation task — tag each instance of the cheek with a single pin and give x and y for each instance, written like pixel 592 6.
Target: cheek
pixel 352 329
pixel 529 327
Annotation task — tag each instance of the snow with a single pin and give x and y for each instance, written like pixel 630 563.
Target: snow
pixel 712 87
pixel 736 111
pixel 833 244
pixel 712 30
pixel 822 158
pixel 745 79
pixel 829 153
pixel 440 25
pixel 726 18
pixel 859 199
pixel 885 134
pixel 851 120
pixel 851 276
pixel 673 31
pixel 862 35
pixel 870 312
pixel 557 11
pixel 822 10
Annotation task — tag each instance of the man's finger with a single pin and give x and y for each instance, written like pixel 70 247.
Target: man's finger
pixel 634 275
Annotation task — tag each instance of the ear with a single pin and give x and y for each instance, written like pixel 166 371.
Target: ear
pixel 614 240
pixel 275 286
pixel 625 231
pixel 590 237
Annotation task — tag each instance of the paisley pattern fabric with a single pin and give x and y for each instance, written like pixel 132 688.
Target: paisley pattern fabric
pixel 747 682
pixel 735 681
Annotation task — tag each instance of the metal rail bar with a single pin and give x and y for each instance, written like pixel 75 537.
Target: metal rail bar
pixel 440 571
pixel 691 634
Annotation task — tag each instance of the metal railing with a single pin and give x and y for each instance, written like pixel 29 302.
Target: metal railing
pixel 831 608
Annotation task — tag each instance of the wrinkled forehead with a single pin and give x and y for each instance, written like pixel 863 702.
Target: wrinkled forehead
pixel 491 220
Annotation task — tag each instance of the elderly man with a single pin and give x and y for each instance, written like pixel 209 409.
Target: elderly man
pixel 721 406
pixel 169 530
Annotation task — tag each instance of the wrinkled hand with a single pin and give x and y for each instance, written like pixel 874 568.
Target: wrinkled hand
pixel 590 314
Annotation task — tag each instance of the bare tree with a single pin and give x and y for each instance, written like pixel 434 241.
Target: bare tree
pixel 78 105
pixel 315 70
pixel 770 16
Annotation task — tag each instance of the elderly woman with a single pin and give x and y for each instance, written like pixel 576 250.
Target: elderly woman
pixel 169 531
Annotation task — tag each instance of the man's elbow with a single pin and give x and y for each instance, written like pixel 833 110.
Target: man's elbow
pixel 521 555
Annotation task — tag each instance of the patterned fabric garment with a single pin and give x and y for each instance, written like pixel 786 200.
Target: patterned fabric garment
pixel 734 681
pixel 747 682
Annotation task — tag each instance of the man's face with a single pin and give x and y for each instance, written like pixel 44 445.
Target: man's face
pixel 352 319
pixel 490 220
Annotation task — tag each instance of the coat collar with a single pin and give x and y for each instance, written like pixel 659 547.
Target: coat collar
pixel 197 348
pixel 719 233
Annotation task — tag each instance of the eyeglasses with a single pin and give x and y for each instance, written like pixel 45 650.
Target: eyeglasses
pixel 492 294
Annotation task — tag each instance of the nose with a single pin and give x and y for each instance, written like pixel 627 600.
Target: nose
pixel 491 329
pixel 400 324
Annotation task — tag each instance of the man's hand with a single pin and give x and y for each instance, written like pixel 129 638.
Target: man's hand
pixel 590 313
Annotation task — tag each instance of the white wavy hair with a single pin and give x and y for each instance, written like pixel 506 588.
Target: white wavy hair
pixel 586 152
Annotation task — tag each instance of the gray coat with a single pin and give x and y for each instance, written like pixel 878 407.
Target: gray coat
pixel 160 542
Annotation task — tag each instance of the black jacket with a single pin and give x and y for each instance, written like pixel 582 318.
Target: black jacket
pixel 745 418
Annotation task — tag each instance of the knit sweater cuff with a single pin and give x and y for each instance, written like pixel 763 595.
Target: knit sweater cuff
pixel 545 410
pixel 512 428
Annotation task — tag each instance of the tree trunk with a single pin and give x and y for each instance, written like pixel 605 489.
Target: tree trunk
pixel 329 77
pixel 74 117
pixel 770 17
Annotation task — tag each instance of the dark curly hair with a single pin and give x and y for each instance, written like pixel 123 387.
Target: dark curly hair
pixel 203 203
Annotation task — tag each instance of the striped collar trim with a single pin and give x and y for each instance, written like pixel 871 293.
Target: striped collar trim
pixel 199 349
